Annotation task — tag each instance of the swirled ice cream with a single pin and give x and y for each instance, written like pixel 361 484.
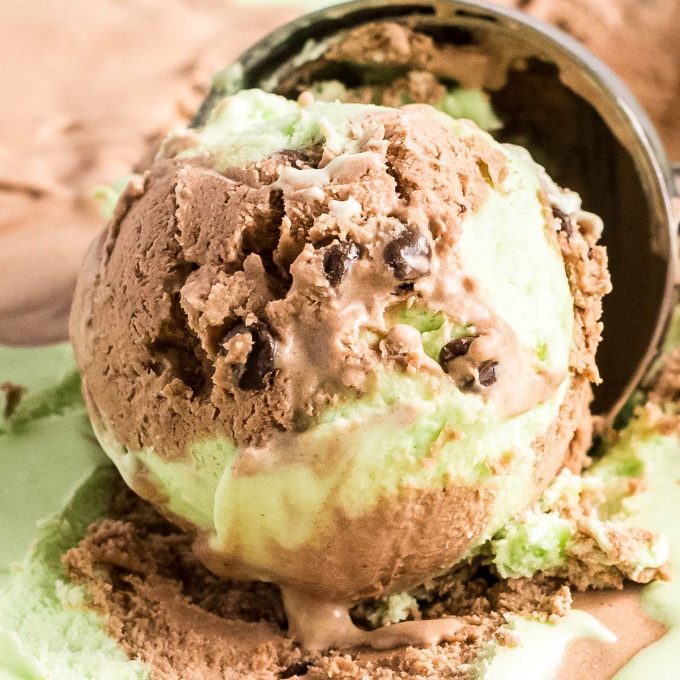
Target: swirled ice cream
pixel 309 323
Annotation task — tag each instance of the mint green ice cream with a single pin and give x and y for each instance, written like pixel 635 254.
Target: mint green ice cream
pixel 647 451
pixel 50 416
pixel 55 481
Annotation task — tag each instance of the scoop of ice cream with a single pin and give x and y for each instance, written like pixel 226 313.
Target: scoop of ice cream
pixel 311 322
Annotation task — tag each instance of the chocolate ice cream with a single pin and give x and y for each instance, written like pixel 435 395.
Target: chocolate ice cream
pixel 306 324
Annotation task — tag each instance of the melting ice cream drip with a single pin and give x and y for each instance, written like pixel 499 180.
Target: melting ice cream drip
pixel 320 625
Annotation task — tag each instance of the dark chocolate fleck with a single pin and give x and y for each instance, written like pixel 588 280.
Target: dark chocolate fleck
pixel 405 287
pixel 337 260
pixel 566 224
pixel 488 373
pixel 13 394
pixel 454 349
pixel 297 669
pixel 238 329
pixel 323 242
pixel 295 157
pixel 408 255
pixel 260 361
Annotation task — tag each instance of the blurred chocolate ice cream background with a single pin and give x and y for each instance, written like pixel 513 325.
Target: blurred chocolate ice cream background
pixel 88 85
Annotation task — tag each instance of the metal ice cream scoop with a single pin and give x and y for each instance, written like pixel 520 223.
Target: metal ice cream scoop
pixel 555 98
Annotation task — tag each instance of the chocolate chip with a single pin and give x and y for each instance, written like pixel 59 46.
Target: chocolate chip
pixel 454 349
pixel 337 260
pixel 405 287
pixel 566 224
pixel 295 157
pixel 408 255
pixel 323 242
pixel 238 329
pixel 487 373
pixel 157 367
pixel 260 361
pixel 299 668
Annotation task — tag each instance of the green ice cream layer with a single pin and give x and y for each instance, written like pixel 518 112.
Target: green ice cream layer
pixel 47 629
pixel 246 127
pixel 545 538
pixel 47 432
pixel 641 452
pixel 251 125
pixel 54 482
pixel 458 102
pixel 540 649
pixel 656 459
pixel 398 438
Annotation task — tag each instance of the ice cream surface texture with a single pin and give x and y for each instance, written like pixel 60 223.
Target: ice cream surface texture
pixel 310 322
pixel 45 629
